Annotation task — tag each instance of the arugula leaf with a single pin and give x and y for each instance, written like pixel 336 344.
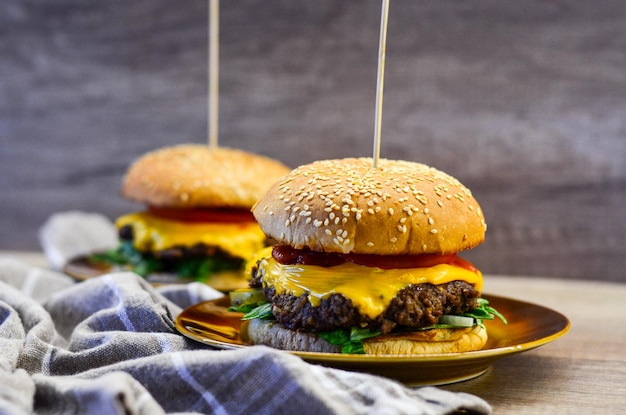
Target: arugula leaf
pixel 262 312
pixel 144 264
pixel 351 341
pixel 484 312
pixel 126 254
pixel 243 308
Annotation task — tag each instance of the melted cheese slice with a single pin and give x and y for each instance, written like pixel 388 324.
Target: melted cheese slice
pixel 152 233
pixel 371 289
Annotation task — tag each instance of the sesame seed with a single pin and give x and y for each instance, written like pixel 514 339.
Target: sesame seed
pixel 337 221
pixel 431 220
pixel 393 240
pixel 370 244
pixel 440 203
pixel 328 232
pixel 370 211
pixel 402 220
pixel 317 223
pixel 434 231
pixel 307 221
pixel 390 211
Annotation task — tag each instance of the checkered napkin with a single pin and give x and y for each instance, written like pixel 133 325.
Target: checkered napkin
pixel 109 346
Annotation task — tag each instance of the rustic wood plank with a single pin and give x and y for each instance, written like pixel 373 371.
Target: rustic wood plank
pixel 522 101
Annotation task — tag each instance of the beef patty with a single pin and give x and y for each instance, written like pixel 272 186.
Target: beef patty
pixel 415 306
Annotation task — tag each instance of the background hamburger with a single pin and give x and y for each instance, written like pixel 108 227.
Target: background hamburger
pixel 197 222
pixel 366 261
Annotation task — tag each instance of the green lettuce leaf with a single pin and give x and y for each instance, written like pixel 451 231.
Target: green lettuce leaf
pixel 484 312
pixel 262 312
pixel 144 264
pixel 350 340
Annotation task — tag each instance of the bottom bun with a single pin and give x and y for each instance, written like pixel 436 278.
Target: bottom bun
pixel 435 341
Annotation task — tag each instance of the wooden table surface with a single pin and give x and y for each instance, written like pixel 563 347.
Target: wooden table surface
pixel 583 372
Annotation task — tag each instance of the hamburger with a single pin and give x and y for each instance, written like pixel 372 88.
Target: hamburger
pixel 366 261
pixel 197 222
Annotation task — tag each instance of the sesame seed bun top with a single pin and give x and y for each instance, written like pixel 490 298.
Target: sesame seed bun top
pixel 348 206
pixel 194 175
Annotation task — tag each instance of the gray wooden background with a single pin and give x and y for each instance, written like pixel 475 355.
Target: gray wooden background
pixel 523 101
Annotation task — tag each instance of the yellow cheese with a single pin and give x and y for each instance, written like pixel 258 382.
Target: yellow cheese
pixel 371 289
pixel 152 233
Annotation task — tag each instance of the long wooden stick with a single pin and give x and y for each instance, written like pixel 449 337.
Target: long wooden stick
pixel 213 81
pixel 380 80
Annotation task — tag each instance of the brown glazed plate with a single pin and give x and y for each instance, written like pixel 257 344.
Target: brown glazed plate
pixel 529 326
pixel 82 268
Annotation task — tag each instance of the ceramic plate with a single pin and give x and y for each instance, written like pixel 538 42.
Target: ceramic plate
pixel 530 326
pixel 82 268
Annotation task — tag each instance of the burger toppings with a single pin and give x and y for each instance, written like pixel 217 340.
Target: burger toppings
pixel 155 233
pixel 287 255
pixel 370 289
pixel 196 262
pixel 414 306
pixel 151 243
pixel 454 305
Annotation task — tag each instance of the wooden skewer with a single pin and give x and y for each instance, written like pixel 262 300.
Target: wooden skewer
pixel 380 80
pixel 213 81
